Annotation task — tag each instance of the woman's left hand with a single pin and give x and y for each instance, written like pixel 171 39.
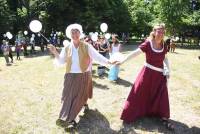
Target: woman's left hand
pixel 118 63
pixel 167 76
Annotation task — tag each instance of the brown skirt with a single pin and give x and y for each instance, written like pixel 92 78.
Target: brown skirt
pixel 77 89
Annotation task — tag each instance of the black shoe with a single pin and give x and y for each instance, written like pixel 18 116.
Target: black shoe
pixel 71 126
pixel 61 123
pixel 86 108
pixel 73 123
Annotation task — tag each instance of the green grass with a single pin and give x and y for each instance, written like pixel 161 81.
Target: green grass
pixel 30 92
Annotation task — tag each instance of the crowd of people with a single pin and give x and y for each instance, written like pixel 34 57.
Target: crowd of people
pixel 104 46
pixel 25 45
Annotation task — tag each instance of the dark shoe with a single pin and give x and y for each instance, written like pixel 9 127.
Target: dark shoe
pixel 61 123
pixel 71 126
pixel 86 108
pixel 167 124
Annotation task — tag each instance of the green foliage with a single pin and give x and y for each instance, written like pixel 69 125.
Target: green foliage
pixel 134 16
pixel 192 19
pixel 6 17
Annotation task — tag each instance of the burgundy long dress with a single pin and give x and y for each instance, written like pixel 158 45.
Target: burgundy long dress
pixel 149 93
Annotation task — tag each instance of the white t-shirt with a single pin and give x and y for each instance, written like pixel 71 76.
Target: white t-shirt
pixel 115 49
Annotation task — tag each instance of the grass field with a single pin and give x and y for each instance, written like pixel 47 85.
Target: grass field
pixel 30 92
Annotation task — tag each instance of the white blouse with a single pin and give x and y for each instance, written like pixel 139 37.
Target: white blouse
pixel 75 67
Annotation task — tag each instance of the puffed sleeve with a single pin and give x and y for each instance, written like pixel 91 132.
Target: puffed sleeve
pixel 144 46
pixel 62 58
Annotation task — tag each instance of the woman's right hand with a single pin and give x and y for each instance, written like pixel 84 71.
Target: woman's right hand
pixel 52 48
pixel 115 62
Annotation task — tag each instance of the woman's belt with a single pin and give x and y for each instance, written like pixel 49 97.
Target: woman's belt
pixel 153 67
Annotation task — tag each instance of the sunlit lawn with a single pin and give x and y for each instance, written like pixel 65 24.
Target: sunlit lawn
pixel 30 92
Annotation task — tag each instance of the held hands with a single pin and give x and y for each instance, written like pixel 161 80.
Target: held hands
pixel 115 62
pixel 117 58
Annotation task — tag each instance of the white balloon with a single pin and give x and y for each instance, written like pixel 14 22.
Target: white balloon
pixel 55 35
pixel 32 38
pixel 104 27
pixel 25 32
pixel 9 35
pixel 59 33
pixel 107 36
pixel 66 43
pixel 94 37
pixel 96 33
pixel 39 35
pixel 177 38
pixel 33 35
pixel 35 26
pixel 90 33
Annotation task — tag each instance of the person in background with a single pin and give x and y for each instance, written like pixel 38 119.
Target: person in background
pixel 167 43
pixel 103 49
pixel 172 45
pixel 18 46
pixel 5 50
pixel 32 43
pixel 114 48
pixel 10 52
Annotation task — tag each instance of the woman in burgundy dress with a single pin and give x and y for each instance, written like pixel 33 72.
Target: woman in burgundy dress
pixel 149 94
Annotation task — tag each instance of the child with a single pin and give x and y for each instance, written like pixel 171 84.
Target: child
pixel 115 48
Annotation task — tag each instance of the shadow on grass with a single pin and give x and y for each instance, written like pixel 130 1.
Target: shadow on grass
pixel 124 82
pixel 93 122
pixel 100 86
pixel 154 125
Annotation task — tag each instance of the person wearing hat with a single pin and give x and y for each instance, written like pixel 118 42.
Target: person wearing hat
pixel 77 56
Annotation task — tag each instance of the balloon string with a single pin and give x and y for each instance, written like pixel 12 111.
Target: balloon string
pixel 44 37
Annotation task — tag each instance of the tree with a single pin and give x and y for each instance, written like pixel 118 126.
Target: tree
pixel 141 16
pixel 6 17
pixel 171 13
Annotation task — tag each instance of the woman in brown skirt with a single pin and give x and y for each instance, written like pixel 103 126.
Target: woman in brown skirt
pixel 77 56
